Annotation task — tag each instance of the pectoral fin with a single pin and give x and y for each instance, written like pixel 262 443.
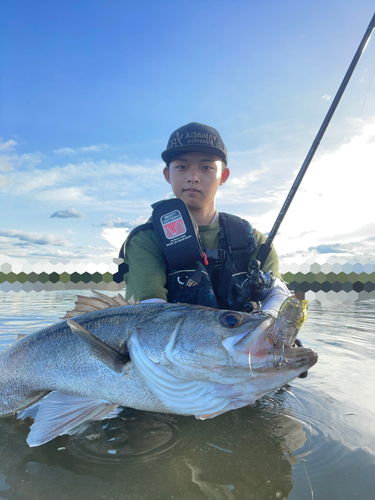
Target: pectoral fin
pixel 106 354
pixel 59 413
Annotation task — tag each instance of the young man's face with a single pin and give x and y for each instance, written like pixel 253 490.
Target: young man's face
pixel 195 178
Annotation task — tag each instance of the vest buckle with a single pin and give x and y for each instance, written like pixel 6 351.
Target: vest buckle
pixel 216 254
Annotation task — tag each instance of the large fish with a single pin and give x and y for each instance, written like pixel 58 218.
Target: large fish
pixel 172 358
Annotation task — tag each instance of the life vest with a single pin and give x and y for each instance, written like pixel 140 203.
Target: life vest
pixel 209 277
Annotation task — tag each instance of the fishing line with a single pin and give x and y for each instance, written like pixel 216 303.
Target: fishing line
pixel 308 478
pixel 251 370
pixel 307 416
pixel 309 448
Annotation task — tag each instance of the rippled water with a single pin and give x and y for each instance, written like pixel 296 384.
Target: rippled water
pixel 312 439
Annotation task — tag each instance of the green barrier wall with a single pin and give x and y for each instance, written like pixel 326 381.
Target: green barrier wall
pixel 329 282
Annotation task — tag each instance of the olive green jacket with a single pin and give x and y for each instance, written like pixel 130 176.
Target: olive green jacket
pixel 146 278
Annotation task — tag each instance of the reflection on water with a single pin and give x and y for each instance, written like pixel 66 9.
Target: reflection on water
pixel 133 436
pixel 317 431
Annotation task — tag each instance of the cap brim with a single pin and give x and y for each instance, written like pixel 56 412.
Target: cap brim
pixel 169 154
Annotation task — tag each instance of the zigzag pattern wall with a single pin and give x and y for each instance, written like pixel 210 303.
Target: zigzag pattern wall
pixel 331 282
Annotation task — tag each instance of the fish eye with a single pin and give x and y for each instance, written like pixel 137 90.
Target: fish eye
pixel 231 319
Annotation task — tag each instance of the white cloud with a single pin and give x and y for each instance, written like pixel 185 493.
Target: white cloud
pixel 104 180
pixel 363 232
pixel 139 220
pixel 335 200
pixel 84 149
pixel 326 97
pixel 27 182
pixel 9 163
pixel 65 151
pixel 5 181
pixel 68 213
pixel 6 160
pixel 115 236
pixel 94 148
pixel 24 245
pixel 29 160
pixel 33 238
pixel 117 231
pixel 6 163
pixel 83 254
pixel 117 222
pixel 7 145
pixel 9 160
pixel 68 194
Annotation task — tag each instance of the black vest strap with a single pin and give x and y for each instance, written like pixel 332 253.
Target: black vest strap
pixel 234 240
pixel 237 239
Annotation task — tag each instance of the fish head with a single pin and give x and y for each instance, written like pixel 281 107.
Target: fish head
pixel 224 347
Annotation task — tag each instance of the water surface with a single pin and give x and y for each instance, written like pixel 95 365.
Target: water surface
pixel 312 439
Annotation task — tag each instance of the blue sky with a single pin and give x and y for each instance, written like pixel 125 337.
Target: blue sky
pixel 91 90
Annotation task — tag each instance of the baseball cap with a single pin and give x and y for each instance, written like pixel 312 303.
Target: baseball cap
pixel 195 137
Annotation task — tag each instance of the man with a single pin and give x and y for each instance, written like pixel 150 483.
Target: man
pixel 196 165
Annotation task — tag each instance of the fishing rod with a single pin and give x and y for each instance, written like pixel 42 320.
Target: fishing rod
pixel 265 248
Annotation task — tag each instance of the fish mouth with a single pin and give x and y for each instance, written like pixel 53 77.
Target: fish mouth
pixel 280 356
pixel 298 356
pixel 261 351
pixel 251 342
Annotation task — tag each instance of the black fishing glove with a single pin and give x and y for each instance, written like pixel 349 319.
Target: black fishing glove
pixel 253 289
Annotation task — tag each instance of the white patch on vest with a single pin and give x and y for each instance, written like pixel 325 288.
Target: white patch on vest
pixel 173 224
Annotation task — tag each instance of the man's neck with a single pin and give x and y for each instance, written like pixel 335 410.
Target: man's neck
pixel 203 217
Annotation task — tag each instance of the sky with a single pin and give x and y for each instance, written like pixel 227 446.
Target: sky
pixel 91 90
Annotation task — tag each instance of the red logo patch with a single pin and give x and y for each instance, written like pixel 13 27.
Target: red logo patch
pixel 173 224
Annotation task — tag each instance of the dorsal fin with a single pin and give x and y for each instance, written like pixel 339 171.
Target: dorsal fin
pixel 98 301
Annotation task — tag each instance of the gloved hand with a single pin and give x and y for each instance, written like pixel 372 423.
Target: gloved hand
pixel 266 295
pixel 278 293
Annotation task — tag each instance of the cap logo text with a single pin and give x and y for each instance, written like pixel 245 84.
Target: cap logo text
pixel 177 141
pixel 200 138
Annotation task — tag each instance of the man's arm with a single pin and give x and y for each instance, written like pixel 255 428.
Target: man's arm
pixel 146 278
pixel 275 298
pixel 279 291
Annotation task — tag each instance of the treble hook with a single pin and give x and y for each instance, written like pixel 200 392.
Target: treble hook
pixel 282 357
